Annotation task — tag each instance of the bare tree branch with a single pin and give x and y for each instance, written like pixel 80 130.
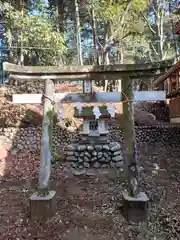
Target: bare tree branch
pixel 154 49
pixel 151 29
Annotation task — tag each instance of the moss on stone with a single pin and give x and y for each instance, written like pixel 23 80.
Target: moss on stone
pixel 50 116
pixel 88 111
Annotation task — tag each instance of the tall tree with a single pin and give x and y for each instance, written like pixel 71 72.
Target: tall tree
pixel 159 29
pixel 78 33
pixel 121 21
pixel 39 39
pixel 59 9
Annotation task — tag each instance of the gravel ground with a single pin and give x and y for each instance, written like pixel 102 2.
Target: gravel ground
pixel 88 205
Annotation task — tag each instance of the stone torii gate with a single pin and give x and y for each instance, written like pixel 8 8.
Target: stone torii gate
pixel 42 202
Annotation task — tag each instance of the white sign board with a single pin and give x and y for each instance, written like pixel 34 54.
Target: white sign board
pixel 149 96
pixel 104 97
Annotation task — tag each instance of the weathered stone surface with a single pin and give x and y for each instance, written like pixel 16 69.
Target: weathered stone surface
pixel 81 147
pixel 79 70
pixel 70 153
pixel 81 154
pixel 105 165
pixel 135 208
pixel 119 164
pixel 106 147
pixel 80 160
pixel 102 160
pixel 112 144
pixel 42 207
pixel 87 154
pixel 117 158
pixel 117 153
pixel 115 148
pixel 106 155
pixel 86 159
pixel 96 165
pixel 79 172
pixel 14 151
pixel 71 148
pixel 98 147
pixel 80 166
pixel 108 159
pixel 112 164
pixel 90 148
pixel 93 159
pixel 94 153
pixel 20 147
pixel 76 154
pixel 71 158
pixel 100 154
pixel 86 165
pixel 73 164
pixel 29 138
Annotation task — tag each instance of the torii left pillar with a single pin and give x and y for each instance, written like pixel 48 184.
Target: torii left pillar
pixel 135 202
pixel 43 202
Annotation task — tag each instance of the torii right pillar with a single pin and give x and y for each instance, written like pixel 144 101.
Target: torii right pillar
pixel 135 202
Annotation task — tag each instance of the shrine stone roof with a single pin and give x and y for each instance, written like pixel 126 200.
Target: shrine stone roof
pixel 87 113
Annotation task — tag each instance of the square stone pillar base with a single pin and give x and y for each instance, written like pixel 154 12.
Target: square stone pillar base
pixel 42 207
pixel 135 208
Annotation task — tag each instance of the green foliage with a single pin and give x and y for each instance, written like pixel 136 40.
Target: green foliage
pixel 110 10
pixel 123 23
pixel 124 16
pixel 129 22
pixel 131 26
pixel 159 30
pixel 140 5
pixel 34 33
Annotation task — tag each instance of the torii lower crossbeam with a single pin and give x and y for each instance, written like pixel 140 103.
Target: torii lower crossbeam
pixel 101 97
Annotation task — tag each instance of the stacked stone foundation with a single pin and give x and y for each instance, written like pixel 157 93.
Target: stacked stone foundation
pixel 95 156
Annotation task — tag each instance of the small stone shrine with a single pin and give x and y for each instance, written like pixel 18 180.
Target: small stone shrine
pixel 94 148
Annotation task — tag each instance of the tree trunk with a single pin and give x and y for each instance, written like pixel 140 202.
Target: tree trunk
pixel 60 15
pixel 94 34
pixel 106 49
pixel 59 25
pixel 159 13
pixel 120 59
pixel 21 54
pixel 78 33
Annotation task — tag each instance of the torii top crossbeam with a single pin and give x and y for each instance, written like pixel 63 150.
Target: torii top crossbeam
pixel 109 72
